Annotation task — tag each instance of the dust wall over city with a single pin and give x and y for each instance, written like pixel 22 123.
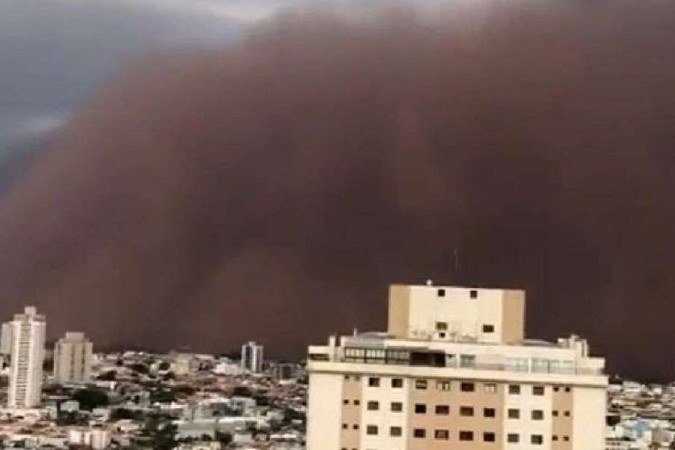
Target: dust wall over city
pixel 271 190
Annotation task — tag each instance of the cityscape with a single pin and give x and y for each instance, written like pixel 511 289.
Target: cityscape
pixel 454 369
pixel 337 224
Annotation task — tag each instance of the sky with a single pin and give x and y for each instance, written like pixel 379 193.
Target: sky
pixel 203 173
pixel 56 53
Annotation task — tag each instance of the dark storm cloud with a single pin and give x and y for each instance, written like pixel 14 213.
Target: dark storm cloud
pixel 53 54
pixel 272 190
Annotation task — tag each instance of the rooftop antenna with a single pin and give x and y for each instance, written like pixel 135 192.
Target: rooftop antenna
pixel 455 262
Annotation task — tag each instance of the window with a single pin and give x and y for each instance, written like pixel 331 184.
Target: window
pixel 419 433
pixel 514 389
pixel 488 328
pixel 467 360
pixel 555 413
pixel 345 426
pixel 556 388
pixel 443 385
pixel 513 413
pixel 420 384
pixel 355 426
pixel 537 414
pixel 357 402
pixel 490 388
pixel 373 406
pixel 442 410
pixel 567 389
pixel 397 382
pixel 467 387
pixel 567 413
pixel 466 411
pixel 554 437
pixel 466 435
pixel 512 438
pixel 345 402
pixel 440 292
pixel 441 326
pixel 473 293
pixel 373 382
pixel 566 438
pixel 489 412
pixel 420 408
pixel 371 430
pixel 489 437
pixel 396 406
pixel 441 434
pixel 537 390
pixel 537 439
pixel 395 431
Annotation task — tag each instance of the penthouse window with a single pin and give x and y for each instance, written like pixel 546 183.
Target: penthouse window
pixel 467 387
pixel 443 385
pixel 421 384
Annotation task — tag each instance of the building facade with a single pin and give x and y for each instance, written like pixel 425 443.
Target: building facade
pixel 27 357
pixel 252 357
pixel 6 339
pixel 454 370
pixel 72 358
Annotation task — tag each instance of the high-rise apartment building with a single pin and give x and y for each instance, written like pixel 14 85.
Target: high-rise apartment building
pixel 454 370
pixel 6 339
pixel 252 357
pixel 72 358
pixel 28 348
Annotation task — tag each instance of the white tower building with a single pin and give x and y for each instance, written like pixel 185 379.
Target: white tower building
pixel 252 357
pixel 72 358
pixel 6 339
pixel 28 349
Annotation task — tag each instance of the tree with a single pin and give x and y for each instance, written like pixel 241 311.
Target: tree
pixel 90 398
pixel 110 375
pixel 223 438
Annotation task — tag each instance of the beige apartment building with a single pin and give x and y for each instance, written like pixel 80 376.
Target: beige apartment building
pixel 72 358
pixel 455 371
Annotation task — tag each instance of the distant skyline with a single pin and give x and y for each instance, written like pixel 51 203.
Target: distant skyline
pixel 219 190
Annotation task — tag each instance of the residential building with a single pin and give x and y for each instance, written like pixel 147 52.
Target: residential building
pixel 454 370
pixel 28 348
pixel 72 358
pixel 252 357
pixel 6 339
